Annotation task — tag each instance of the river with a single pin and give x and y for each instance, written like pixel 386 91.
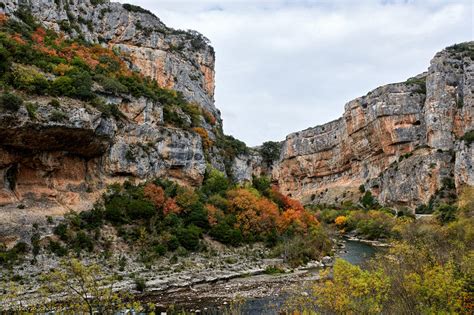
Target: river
pixel 262 294
pixel 357 253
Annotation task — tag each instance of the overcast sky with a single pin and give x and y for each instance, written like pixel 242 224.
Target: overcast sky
pixel 286 65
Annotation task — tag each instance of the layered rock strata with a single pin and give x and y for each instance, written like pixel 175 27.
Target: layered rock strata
pixel 402 141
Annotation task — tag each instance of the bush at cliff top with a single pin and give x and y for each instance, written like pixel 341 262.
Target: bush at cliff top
pixel 270 151
pixel 135 8
pixel 230 148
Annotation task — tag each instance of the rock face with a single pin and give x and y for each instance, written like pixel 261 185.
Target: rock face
pixel 401 141
pixel 50 165
pixel 177 59
pixel 49 168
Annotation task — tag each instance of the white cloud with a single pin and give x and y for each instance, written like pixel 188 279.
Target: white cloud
pixel 283 66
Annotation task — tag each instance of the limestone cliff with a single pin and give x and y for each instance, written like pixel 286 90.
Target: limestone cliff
pixel 50 165
pixel 181 60
pixel 402 141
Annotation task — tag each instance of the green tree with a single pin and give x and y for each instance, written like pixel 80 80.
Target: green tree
pixel 189 237
pixel 446 213
pixel 10 102
pixel 368 201
pixel 270 151
pixel 262 184
pixel 215 182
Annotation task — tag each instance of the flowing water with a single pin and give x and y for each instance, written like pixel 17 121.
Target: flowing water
pixel 354 252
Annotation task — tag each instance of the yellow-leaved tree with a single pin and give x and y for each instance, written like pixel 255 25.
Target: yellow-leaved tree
pixel 83 288
pixel 352 290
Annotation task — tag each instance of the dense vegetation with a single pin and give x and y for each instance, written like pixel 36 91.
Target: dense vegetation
pixel 428 270
pixel 161 217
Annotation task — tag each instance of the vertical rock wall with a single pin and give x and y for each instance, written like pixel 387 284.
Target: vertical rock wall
pixel 401 141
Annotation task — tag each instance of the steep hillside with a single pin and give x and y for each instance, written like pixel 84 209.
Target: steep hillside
pixel 408 143
pixel 181 60
pixel 95 93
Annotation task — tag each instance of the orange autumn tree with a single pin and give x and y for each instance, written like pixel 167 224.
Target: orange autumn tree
pixel 39 35
pixel 341 221
pixel 170 206
pixel 157 196
pixel 3 18
pixel 258 214
pixel 206 141
pixel 293 215
pixel 254 214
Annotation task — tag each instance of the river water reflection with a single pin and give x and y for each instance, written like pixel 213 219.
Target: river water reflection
pixel 357 253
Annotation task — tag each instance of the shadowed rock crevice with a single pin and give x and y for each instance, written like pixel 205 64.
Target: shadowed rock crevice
pixel 11 177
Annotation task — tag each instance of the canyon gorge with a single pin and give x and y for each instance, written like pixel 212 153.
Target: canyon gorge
pixel 407 143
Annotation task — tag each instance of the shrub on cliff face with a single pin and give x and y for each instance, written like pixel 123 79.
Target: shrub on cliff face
pixel 9 257
pixel 420 82
pixel 468 137
pixel 29 79
pixel 76 83
pixel 10 101
pixel 31 108
pixel 206 141
pixel 61 86
pixel 111 85
pixel 194 112
pixel 5 61
pixel 57 116
pixel 368 201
